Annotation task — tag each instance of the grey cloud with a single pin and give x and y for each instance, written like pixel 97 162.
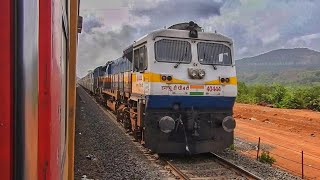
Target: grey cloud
pixel 116 40
pixel 268 26
pixel 91 22
pixel 172 12
pixel 100 46
pixel 195 9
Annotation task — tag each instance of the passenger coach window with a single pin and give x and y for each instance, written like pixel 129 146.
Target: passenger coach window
pixel 212 53
pixel 173 51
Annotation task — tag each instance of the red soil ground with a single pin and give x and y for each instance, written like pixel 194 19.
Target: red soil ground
pixel 287 131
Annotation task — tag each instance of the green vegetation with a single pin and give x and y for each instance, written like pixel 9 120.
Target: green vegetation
pixel 232 147
pixel 280 96
pixel 266 158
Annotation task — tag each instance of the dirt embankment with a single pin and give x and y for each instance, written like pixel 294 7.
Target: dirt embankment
pixel 287 131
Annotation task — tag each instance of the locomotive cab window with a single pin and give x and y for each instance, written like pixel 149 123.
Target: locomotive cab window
pixel 214 54
pixel 136 60
pixel 140 59
pixel 128 58
pixel 173 51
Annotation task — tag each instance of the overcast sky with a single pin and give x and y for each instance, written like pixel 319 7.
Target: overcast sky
pixel 256 26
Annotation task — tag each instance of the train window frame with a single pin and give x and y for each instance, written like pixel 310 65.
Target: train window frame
pixel 136 57
pixel 140 59
pixel 143 64
pixel 178 60
pixel 128 55
pixel 223 53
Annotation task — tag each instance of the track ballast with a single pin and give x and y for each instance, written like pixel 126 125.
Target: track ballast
pixel 206 166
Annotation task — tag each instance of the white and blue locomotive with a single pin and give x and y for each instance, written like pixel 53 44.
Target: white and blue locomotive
pixel 174 89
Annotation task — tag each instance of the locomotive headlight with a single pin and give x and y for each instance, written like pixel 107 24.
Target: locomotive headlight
pixel 166 124
pixel 202 73
pixel 194 73
pixel 228 123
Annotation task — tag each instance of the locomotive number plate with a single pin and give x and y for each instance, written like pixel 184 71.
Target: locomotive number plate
pixel 213 90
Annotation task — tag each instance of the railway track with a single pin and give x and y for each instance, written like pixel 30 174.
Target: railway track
pixel 198 167
pixel 206 167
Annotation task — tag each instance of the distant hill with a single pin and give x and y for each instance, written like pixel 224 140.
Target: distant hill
pixel 287 66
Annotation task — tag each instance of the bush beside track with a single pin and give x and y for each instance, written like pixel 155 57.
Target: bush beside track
pixel 280 96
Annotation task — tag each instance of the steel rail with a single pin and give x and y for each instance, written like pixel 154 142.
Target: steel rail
pixel 237 168
pixel 177 171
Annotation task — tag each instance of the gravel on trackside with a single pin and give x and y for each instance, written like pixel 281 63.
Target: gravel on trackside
pixel 103 150
pixel 262 170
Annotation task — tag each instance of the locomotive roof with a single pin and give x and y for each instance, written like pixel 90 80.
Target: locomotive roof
pixel 184 34
pixel 175 33
pixel 97 68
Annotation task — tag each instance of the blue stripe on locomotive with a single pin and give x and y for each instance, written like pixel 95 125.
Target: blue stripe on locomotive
pixel 213 102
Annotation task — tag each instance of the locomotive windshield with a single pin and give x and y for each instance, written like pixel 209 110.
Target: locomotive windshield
pixel 173 51
pixel 214 54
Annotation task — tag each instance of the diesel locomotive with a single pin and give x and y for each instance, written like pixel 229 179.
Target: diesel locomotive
pixel 173 88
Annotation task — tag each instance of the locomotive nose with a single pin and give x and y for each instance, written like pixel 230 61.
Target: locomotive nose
pixel 166 124
pixel 228 123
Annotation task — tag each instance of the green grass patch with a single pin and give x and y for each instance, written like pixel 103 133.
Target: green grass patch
pixel 280 96
pixel 266 158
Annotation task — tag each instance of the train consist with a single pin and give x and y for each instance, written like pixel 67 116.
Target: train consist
pixel 173 88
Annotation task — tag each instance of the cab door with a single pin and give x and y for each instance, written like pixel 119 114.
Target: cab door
pixel 139 67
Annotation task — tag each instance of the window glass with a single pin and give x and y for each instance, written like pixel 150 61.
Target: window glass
pixel 128 56
pixel 167 50
pixel 145 63
pixel 140 59
pixel 136 59
pixel 212 53
pixel 129 66
pixel 143 58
